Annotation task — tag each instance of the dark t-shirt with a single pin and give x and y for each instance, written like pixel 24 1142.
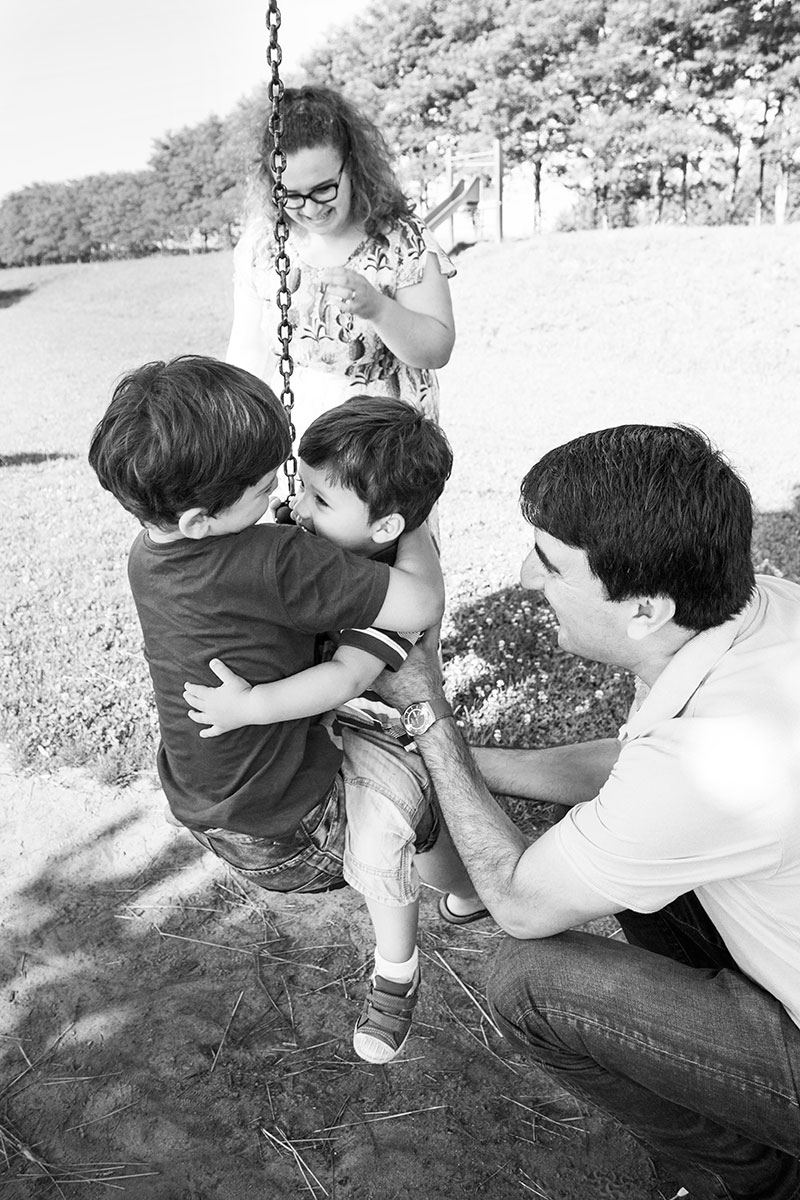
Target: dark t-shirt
pixel 256 599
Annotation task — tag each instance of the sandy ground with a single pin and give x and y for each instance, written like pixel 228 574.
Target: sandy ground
pixel 164 1032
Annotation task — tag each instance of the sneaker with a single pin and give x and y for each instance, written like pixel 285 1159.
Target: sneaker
pixel 385 1021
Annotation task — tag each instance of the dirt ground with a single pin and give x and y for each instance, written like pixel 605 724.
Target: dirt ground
pixel 166 1035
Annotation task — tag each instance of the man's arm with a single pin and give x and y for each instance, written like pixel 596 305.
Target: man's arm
pixel 556 775
pixel 530 890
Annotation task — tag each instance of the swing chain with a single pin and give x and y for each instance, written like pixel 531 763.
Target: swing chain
pixel 277 162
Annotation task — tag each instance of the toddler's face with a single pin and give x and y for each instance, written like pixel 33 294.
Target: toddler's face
pixel 249 508
pixel 332 511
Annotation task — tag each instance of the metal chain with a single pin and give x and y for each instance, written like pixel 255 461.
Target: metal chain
pixel 277 162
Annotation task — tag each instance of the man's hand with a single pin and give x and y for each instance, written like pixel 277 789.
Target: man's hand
pixel 419 678
pixel 222 708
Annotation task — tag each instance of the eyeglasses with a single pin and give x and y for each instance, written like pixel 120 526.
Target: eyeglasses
pixel 320 195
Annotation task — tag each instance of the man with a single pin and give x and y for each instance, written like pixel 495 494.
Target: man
pixel 687 828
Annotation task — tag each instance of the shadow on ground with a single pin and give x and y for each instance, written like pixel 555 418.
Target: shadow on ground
pixel 11 296
pixel 169 1033
pixel 32 458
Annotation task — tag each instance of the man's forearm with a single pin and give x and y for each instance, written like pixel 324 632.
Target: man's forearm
pixel 528 887
pixel 489 842
pixel 556 775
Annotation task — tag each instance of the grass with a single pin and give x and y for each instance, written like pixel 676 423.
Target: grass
pixel 556 335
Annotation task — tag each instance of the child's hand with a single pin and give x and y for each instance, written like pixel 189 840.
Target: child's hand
pixel 352 292
pixel 222 708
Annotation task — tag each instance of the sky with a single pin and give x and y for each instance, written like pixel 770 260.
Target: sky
pixel 87 85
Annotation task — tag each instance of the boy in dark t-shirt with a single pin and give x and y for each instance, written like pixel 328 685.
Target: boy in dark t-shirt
pixel 192 449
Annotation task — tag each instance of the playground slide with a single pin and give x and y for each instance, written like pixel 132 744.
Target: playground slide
pixel 463 193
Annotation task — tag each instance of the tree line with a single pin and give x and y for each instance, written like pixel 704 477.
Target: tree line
pixel 649 110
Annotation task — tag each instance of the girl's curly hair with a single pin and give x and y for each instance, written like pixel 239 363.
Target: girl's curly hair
pixel 318 116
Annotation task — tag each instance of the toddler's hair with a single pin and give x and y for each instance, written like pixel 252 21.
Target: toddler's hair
pixel 392 457
pixel 193 432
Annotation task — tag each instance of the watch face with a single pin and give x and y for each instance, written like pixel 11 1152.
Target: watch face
pixel 416 717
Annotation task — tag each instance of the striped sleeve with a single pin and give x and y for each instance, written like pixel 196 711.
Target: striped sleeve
pixel 391 648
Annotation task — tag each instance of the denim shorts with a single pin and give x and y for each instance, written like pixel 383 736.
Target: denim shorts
pixel 308 860
pixel 384 791
pixel 391 815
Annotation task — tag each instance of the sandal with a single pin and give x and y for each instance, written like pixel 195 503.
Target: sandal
pixel 447 914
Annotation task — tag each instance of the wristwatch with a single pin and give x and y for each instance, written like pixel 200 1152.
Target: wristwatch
pixel 418 717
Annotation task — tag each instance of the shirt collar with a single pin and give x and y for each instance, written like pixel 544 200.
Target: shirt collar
pixel 684 673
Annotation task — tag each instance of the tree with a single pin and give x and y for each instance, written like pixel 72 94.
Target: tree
pixel 197 182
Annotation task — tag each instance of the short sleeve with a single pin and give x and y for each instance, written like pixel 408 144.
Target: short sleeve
pixel 243 256
pixel 389 647
pixel 665 823
pixel 319 586
pixel 415 243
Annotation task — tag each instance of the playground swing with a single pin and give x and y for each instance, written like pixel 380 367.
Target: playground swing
pixel 277 162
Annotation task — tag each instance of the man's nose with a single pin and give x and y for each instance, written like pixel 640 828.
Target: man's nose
pixel 531 575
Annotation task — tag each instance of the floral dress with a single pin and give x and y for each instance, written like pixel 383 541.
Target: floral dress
pixel 337 355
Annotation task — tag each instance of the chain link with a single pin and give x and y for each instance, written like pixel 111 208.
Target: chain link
pixel 277 162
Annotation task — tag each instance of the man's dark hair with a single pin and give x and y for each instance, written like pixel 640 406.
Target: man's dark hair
pixel 389 454
pixel 658 511
pixel 194 432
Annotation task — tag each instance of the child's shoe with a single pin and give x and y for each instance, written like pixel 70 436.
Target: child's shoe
pixel 385 1022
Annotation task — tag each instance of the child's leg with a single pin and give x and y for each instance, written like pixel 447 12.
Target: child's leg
pixel 385 797
pixel 442 869
pixel 395 935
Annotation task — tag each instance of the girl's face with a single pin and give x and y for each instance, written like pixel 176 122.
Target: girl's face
pixel 318 190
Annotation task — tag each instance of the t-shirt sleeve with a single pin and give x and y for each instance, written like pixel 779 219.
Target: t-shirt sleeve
pixel 391 648
pixel 670 818
pixel 415 243
pixel 321 587
pixel 243 257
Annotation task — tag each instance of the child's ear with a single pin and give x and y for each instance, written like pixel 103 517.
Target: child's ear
pixel 389 528
pixel 195 523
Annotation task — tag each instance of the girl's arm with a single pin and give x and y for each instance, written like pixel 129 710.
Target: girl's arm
pixel 316 690
pixel 417 325
pixel 249 346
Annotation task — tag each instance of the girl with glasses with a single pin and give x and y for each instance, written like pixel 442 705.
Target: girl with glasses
pixel 371 310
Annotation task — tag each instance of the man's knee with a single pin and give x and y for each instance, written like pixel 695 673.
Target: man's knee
pixel 538 985
pixel 525 976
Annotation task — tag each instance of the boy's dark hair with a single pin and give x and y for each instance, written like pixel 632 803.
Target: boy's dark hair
pixel 392 457
pixel 658 510
pixel 194 432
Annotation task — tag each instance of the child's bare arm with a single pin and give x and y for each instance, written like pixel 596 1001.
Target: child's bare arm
pixel 316 690
pixel 415 597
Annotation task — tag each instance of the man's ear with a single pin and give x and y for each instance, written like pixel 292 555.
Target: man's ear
pixel 648 615
pixel 195 523
pixel 388 529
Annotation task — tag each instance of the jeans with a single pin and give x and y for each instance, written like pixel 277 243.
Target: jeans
pixel 390 816
pixel 309 860
pixel 697 1061
pixel 384 790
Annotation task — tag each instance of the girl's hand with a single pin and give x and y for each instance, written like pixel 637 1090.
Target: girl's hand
pixel 222 708
pixel 353 293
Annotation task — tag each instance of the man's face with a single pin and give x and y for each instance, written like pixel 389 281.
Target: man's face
pixel 334 512
pixel 589 624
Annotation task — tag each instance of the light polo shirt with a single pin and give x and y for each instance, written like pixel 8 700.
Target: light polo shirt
pixel 705 794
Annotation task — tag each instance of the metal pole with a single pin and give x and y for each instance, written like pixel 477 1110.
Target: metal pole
pixel 498 176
